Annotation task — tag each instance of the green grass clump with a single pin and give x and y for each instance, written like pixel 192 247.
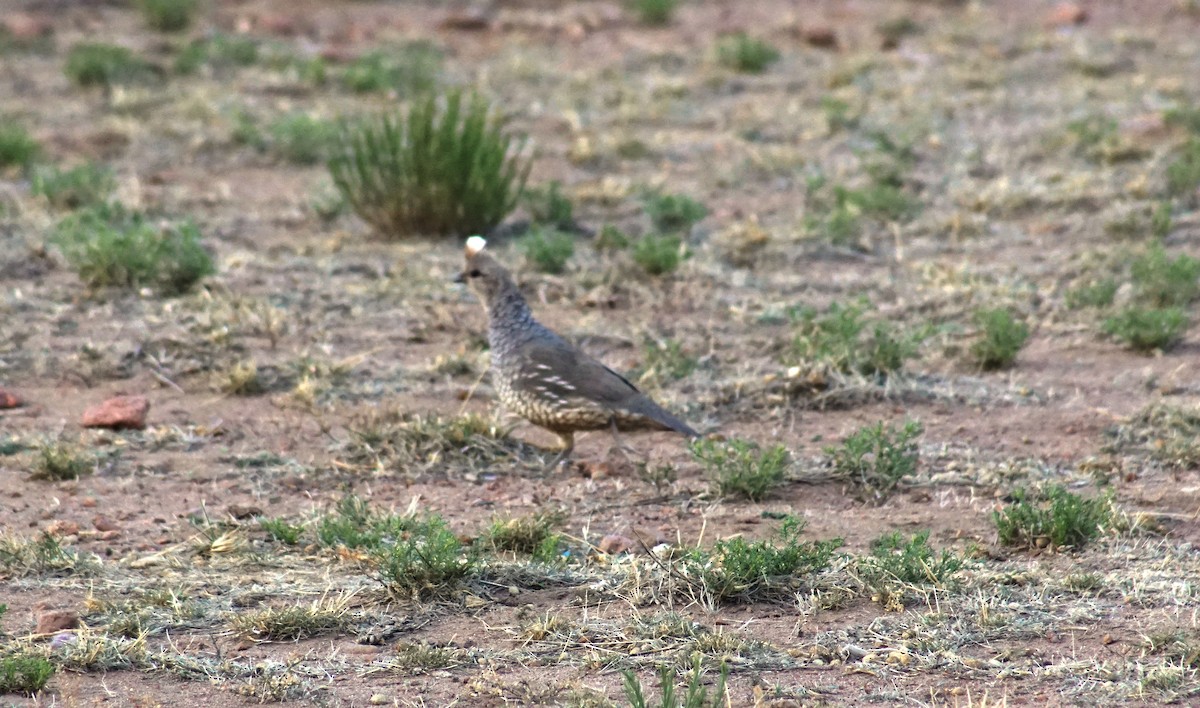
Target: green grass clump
pixel 531 535
pixel 99 64
pixel 1183 175
pixel 111 247
pixel 695 695
pixel 354 525
pixel 1097 294
pixel 752 571
pixel 291 624
pixel 547 249
pixel 220 51
pixel 739 468
pixel 912 561
pixel 282 530
pixel 58 460
pixel 666 359
pixel 17 146
pixel 427 561
pixel 44 555
pixel 673 213
pixel 448 170
pixel 1055 518
pixel 746 54
pixel 167 15
pixel 548 206
pixel 80 186
pixel 1161 281
pixel 303 139
pixel 658 254
pixel 410 70
pixel 1001 337
pixel 24 673
pixel 1147 329
pixel 876 458
pixel 655 13
pixel 844 340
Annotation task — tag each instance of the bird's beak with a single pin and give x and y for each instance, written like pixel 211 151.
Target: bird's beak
pixel 460 278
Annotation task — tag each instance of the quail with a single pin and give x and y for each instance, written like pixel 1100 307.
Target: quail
pixel 543 378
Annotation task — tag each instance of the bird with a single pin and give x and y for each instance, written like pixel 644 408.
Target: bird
pixel 543 378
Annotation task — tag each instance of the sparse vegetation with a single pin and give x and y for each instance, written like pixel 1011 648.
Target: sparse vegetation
pixel 42 556
pixel 913 560
pixel 696 694
pixel 109 246
pixel 427 561
pixel 1147 329
pixel 59 459
pixel 1183 175
pixel 1054 518
pixel 1161 281
pixel 80 186
pixel 17 146
pixel 658 254
pixel 653 12
pixel 531 535
pixel 435 171
pixel 877 458
pixel 409 70
pixel 24 673
pixel 99 64
pixel 673 213
pixel 746 54
pixel 282 530
pixel 548 206
pixel 548 249
pixel 666 359
pixel 220 51
pixel 168 15
pixel 843 340
pixel 1001 338
pixel 739 468
pixel 303 139
pixel 293 623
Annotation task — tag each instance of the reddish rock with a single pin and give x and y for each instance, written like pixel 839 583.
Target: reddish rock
pixel 62 527
pixel 472 19
pixel 8 399
pixel 119 413
pixel 820 36
pixel 20 25
pixel 103 523
pixel 51 621
pixel 1066 13
pixel 243 511
pixel 615 543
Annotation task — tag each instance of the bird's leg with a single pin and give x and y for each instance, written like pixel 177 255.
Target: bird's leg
pixel 621 446
pixel 568 444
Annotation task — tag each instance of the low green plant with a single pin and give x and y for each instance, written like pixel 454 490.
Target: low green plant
pixel 1184 116
pixel 109 246
pixel 303 139
pixel 695 696
pixel 843 339
pixel 531 535
pixel 750 571
pixel 282 530
pixel 1055 518
pixel 76 187
pixel 1001 336
pixel 409 70
pixel 220 51
pixel 1183 174
pixel 912 561
pixel 739 468
pixel 58 460
pixel 1147 329
pixel 877 458
pixel 666 358
pixel 548 206
pixel 673 213
pixel 353 525
pixel 43 555
pixel 653 12
pixel 17 147
pixel 427 561
pixel 291 624
pixel 1162 281
pixel 547 249
pixel 100 64
pixel 746 54
pixel 448 170
pixel 658 254
pixel 24 673
pixel 167 15
pixel 1099 293
pixel 611 238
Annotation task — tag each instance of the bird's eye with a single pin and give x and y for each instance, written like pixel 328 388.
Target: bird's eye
pixel 474 273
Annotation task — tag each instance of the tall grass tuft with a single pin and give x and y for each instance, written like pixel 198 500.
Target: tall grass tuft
pixel 440 170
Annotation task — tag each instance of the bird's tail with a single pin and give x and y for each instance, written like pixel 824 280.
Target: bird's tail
pixel 643 406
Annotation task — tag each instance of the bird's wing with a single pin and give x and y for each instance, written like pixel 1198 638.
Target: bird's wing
pixel 569 373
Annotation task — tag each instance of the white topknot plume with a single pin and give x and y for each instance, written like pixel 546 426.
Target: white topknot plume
pixel 475 244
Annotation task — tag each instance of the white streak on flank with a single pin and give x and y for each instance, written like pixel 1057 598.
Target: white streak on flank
pixel 475 244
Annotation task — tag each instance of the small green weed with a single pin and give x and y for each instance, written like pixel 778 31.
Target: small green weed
pixel 653 12
pixel 1183 175
pixel 17 146
pixel 531 535
pixel 547 249
pixel 1001 337
pixel 746 54
pixel 80 186
pixel 1184 116
pixel 354 525
pixel 611 238
pixel 24 673
pixel 58 460
pixel 20 557
pixel 913 561
pixel 282 530
pixel 1056 518
pixel 303 139
pixel 838 115
pixel 1147 329
pixel 99 64
pixel 739 468
pixel 695 696
pixel 658 254
pixel 109 246
pixel 666 359
pixel 220 51
pixel 1168 434
pixel 673 213
pixel 168 15
pixel 845 341
pixel 876 458
pixel 410 70
pixel 447 171
pixel 427 561
pixel 752 571
pixel 1161 281
pixel 1095 294
pixel 548 206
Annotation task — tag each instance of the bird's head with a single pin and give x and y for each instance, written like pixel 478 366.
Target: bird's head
pixel 482 273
